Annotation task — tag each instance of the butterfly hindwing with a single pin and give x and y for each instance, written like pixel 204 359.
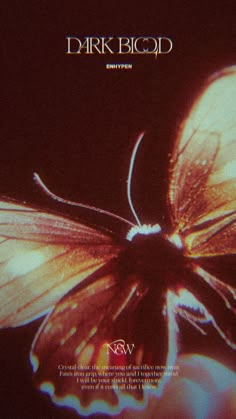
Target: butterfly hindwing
pixel 78 332
pixel 106 310
pixel 205 301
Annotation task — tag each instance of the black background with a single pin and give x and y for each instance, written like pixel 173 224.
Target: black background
pixel 75 123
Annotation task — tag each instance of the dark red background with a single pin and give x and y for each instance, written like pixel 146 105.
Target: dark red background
pixel 75 123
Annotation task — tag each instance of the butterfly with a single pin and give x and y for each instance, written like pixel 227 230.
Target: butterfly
pixel 113 304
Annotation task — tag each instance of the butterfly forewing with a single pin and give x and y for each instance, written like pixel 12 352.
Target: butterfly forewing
pixel 202 192
pixel 42 257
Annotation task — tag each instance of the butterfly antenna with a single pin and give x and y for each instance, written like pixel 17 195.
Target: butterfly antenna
pixel 130 174
pixel 45 189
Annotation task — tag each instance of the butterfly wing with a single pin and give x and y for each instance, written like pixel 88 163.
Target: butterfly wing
pixel 202 198
pixel 42 257
pixel 73 353
pixel 202 194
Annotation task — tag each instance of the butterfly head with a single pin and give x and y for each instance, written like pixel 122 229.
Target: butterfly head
pixel 144 229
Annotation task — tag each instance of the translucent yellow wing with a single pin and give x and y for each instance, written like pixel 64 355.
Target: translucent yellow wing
pixel 202 194
pixel 42 257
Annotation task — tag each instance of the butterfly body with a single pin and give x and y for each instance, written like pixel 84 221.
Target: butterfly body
pixel 152 257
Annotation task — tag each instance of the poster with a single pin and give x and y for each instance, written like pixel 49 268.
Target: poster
pixel 74 118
